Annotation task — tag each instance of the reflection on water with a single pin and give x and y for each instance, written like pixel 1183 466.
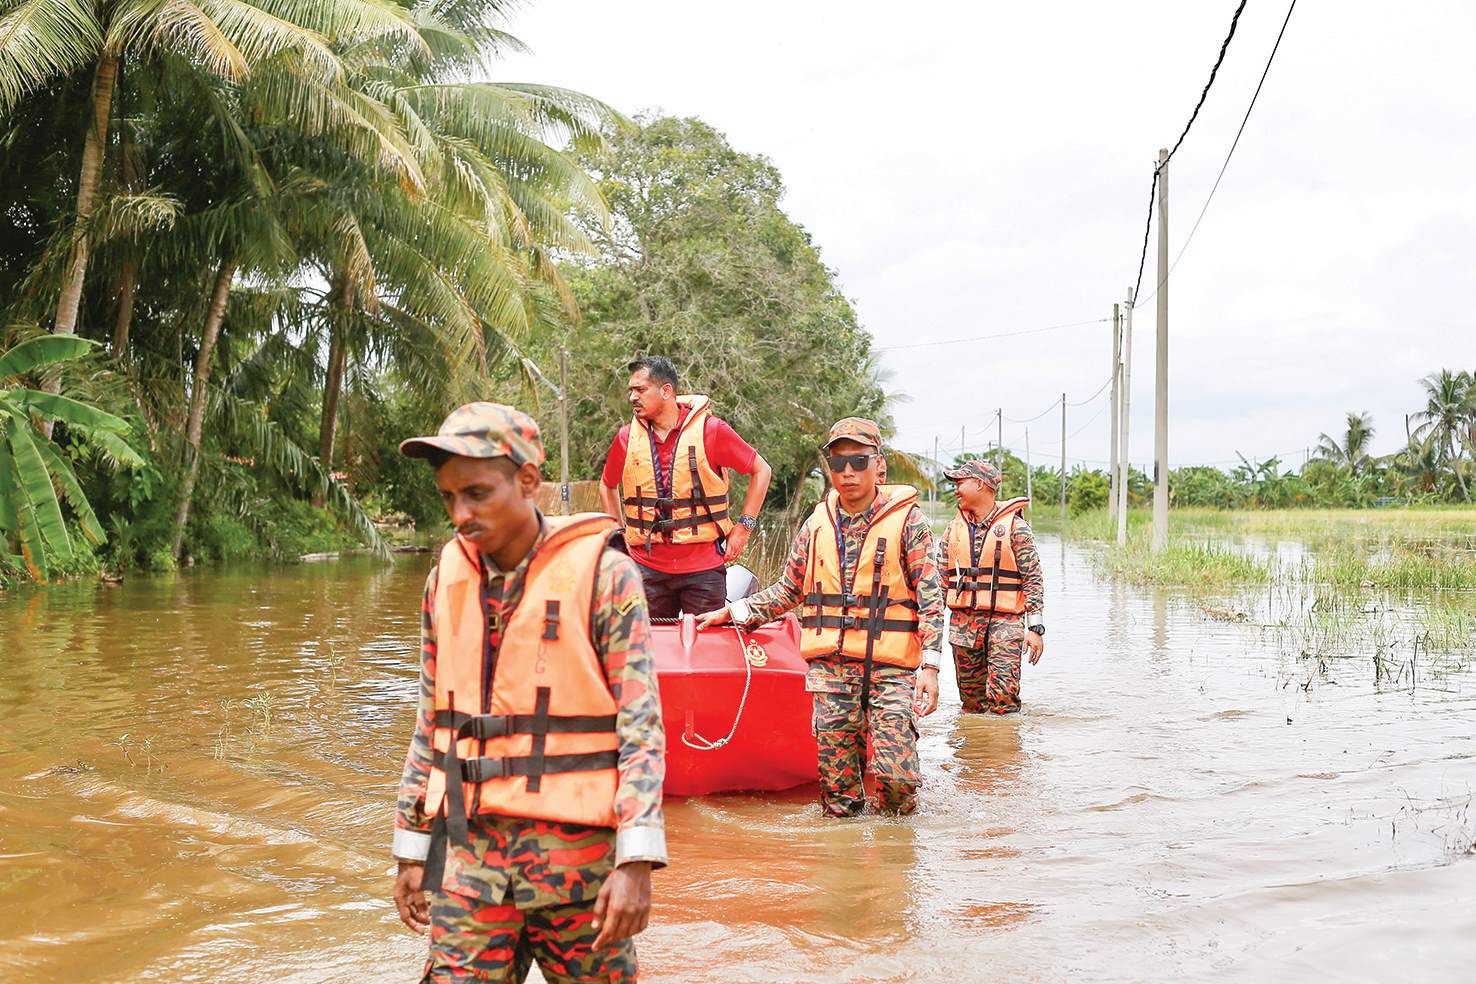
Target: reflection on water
pixel 198 774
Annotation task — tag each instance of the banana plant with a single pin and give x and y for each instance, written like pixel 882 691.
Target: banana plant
pixel 32 469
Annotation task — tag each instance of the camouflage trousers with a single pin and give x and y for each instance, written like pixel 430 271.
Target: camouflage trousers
pixel 842 732
pixel 472 941
pixel 989 677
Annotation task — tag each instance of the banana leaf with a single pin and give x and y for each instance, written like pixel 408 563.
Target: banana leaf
pixel 36 352
pixel 42 529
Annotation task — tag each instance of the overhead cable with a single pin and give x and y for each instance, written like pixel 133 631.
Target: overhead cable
pixel 1153 188
pixel 1233 145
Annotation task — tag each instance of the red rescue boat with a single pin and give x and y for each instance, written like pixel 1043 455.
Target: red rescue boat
pixel 735 708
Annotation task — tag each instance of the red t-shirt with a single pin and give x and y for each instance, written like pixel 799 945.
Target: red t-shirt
pixel 725 449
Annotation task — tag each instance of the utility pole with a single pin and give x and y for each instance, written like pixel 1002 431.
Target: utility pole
pixel 564 431
pixel 1161 372
pixel 999 440
pixel 1063 455
pixel 1029 479
pixel 1121 465
pixel 1116 395
pixel 937 475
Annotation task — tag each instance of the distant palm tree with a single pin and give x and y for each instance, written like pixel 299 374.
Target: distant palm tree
pixel 1351 452
pixel 1450 402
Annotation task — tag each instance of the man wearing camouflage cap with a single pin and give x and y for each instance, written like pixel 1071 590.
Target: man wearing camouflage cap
pixel 861 569
pixel 530 805
pixel 994 589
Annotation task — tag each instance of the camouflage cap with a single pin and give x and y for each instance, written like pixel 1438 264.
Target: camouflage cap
pixel 482 430
pixel 978 468
pixel 857 429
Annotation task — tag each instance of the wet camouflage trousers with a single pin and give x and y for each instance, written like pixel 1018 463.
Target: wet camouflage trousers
pixel 472 941
pixel 842 732
pixel 989 678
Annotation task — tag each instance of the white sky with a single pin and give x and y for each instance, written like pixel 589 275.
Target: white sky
pixel 973 168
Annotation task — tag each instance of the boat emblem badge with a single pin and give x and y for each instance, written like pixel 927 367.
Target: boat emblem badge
pixel 756 655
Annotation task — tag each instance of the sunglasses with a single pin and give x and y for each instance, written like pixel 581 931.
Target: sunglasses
pixel 858 462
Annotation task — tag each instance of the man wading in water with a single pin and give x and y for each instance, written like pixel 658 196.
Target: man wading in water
pixel 670 465
pixel 862 567
pixel 537 830
pixel 994 589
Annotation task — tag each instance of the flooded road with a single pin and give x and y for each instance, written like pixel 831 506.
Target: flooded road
pixel 197 778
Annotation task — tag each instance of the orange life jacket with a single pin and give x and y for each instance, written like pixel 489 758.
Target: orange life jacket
pixel 690 505
pixel 538 738
pixel 873 618
pixel 989 580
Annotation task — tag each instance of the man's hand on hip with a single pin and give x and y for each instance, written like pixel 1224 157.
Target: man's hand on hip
pixel 737 540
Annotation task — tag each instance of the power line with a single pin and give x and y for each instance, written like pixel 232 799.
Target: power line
pixel 1153 188
pixel 1231 154
pixel 1093 397
pixel 985 338
pixel 1031 420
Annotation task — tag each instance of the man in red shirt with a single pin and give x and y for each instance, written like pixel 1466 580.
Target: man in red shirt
pixel 666 477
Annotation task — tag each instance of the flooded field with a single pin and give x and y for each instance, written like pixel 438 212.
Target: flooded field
pixel 197 772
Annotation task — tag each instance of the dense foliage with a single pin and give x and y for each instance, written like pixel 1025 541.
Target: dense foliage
pixel 1437 464
pixel 699 263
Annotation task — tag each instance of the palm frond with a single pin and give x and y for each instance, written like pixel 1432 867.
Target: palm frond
pixel 41 40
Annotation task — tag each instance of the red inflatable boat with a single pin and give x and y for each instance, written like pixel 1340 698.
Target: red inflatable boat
pixel 734 703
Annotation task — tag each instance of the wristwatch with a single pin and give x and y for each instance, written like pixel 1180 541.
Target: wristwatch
pixel 748 522
pixel 1038 629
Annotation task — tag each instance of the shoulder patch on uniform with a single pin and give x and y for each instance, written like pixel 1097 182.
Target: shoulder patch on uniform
pixel 626 605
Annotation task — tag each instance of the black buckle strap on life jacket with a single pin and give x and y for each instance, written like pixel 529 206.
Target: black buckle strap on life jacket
pixel 435 858
pixel 862 622
pixel 820 599
pixel 873 629
pixel 539 724
pixel 540 729
pixel 663 526
pixel 484 769
pixel 455 794
pixel 488 726
pixel 675 502
pixel 551 621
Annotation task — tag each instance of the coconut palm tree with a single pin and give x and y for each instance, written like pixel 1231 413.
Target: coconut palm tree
pixel 1450 401
pixel 43 40
pixel 1351 451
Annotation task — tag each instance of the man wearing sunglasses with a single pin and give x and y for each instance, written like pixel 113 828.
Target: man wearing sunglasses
pixel 994 589
pixel 861 570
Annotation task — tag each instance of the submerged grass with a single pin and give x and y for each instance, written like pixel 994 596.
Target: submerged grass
pixel 1396 584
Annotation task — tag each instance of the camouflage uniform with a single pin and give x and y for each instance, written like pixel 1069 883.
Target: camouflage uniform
pixel 987 649
pixel 526 888
pixel 840 728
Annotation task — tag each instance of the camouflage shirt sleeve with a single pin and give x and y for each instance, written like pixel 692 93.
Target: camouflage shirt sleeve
pixel 621 629
pixel 1028 559
pixel 787 592
pixel 922 571
pixel 412 826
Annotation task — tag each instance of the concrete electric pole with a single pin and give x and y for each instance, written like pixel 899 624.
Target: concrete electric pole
pixel 1161 378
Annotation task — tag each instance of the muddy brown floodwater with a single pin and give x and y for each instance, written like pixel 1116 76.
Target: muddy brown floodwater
pixel 197 772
